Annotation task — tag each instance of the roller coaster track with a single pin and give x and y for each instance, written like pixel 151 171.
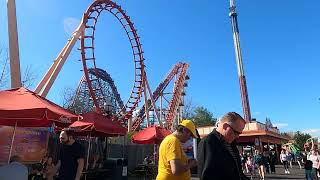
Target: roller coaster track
pixel 95 79
pixel 107 78
pixel 87 47
pixel 177 96
pixel 179 70
pixel 83 99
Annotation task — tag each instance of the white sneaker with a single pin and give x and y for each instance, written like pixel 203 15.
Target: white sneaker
pixel 285 171
pixel 288 172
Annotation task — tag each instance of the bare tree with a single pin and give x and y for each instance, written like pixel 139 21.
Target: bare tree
pixel 72 103
pixel 68 94
pixel 29 77
pixel 188 109
pixel 4 71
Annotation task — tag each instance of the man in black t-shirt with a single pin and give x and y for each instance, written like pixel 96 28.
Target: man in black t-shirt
pixel 71 159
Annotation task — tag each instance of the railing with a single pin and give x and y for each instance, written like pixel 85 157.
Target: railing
pixel 253 126
pixel 257 126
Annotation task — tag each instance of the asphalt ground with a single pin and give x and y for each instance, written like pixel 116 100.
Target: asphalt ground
pixel 295 174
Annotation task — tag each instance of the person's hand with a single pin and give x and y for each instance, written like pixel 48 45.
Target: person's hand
pixel 192 163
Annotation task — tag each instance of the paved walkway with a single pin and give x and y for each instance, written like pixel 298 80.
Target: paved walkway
pixel 295 174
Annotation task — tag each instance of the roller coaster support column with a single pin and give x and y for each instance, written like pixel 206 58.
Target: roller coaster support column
pixel 146 103
pixel 13 45
pixel 242 78
pixel 161 106
pixel 153 103
pixel 46 83
pixel 129 125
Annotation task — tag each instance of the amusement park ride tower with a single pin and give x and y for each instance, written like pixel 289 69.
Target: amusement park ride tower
pixel 242 78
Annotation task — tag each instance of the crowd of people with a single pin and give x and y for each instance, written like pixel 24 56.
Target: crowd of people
pixel 262 162
pixel 265 162
pixel 217 156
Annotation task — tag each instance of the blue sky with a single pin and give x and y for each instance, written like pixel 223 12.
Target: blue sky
pixel 278 39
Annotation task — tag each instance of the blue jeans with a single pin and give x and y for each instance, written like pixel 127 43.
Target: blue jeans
pixel 314 173
pixel 309 174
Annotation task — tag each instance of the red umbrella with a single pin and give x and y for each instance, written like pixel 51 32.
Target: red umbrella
pixel 21 107
pixel 95 124
pixel 150 135
pixel 98 125
pixel 25 108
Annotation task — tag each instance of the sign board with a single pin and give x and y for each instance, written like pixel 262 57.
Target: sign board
pixel 29 143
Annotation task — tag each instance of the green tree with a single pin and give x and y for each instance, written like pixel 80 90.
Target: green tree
pixel 203 117
pixel 301 138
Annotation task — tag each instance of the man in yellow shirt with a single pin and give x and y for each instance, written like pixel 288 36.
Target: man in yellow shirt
pixel 173 162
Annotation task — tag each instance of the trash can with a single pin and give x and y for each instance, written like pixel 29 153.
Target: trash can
pixel 119 168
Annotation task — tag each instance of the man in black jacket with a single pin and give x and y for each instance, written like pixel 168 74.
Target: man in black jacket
pixel 218 156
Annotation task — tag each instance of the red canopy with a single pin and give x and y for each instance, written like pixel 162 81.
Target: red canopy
pixel 151 135
pixel 31 110
pixel 98 125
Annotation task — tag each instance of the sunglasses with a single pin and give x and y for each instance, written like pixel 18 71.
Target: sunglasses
pixel 234 131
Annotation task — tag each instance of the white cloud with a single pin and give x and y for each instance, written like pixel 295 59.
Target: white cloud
pixel 256 113
pixel 312 132
pixel 70 24
pixel 281 125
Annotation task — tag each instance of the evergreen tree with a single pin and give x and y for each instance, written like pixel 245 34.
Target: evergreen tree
pixel 203 117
